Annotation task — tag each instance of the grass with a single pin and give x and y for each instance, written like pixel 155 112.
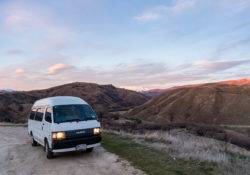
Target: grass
pixel 154 162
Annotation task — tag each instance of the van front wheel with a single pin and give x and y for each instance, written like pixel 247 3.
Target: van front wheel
pixel 49 153
pixel 89 150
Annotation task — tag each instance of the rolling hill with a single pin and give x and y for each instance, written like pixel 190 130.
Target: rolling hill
pixel 15 106
pixel 225 102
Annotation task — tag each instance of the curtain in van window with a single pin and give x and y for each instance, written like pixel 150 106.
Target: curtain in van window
pixel 32 114
pixel 39 114
pixel 48 115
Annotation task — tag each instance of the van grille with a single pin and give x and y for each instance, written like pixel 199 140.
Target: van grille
pixel 77 137
pixel 79 133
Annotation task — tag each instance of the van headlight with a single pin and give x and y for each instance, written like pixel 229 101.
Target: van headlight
pixel 58 135
pixel 97 131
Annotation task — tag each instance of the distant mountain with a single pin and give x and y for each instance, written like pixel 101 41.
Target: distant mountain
pixel 14 107
pixel 6 90
pixel 226 102
pixel 153 92
pixel 156 92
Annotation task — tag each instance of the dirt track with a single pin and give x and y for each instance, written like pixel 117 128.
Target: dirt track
pixel 17 156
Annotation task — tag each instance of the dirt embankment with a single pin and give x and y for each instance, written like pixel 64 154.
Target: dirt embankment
pixel 18 157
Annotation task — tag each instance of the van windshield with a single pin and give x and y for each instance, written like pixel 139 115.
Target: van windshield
pixel 72 113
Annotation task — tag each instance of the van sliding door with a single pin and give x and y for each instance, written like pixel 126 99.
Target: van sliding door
pixel 39 124
pixel 47 120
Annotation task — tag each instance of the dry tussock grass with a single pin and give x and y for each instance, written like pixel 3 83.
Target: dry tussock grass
pixel 179 143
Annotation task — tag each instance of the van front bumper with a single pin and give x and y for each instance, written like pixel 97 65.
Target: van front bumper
pixel 74 148
pixel 71 144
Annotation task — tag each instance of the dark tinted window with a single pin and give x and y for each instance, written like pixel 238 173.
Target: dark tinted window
pixel 39 114
pixel 32 114
pixel 71 113
pixel 48 115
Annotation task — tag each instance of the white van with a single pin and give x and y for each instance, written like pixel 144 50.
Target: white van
pixel 63 124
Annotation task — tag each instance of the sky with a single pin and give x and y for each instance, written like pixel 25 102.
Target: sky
pixel 134 44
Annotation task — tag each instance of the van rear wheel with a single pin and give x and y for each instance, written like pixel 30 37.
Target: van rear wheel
pixel 49 153
pixel 34 143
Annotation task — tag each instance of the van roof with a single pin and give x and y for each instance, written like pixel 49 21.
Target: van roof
pixel 59 100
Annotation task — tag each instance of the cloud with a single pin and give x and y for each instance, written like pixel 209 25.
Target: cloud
pixel 19 71
pixel 133 75
pixel 37 24
pixel 152 14
pixel 153 75
pixel 181 6
pixel 146 69
pixel 233 45
pixel 212 67
pixel 234 6
pixel 178 7
pixel 20 16
pixel 57 68
pixel 157 12
pixel 14 52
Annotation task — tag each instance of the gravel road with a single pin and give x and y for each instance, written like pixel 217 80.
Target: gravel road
pixel 18 157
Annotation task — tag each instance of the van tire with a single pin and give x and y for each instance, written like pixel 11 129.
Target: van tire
pixel 49 153
pixel 34 143
pixel 89 150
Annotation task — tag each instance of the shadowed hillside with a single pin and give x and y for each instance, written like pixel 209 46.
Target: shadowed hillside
pixel 15 106
pixel 215 103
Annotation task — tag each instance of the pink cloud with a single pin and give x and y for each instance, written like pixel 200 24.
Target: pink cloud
pixel 135 76
pixel 19 71
pixel 57 68
pixel 157 12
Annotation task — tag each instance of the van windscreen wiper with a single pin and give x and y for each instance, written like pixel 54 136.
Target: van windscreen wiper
pixel 72 120
pixel 89 118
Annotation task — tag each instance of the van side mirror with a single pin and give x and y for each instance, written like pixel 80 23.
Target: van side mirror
pixel 100 116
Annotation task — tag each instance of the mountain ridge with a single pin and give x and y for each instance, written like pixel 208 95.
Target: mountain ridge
pixel 157 92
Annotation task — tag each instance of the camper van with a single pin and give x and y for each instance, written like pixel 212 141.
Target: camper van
pixel 63 124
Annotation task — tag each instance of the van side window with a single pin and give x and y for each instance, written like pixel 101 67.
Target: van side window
pixel 48 115
pixel 32 114
pixel 39 114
